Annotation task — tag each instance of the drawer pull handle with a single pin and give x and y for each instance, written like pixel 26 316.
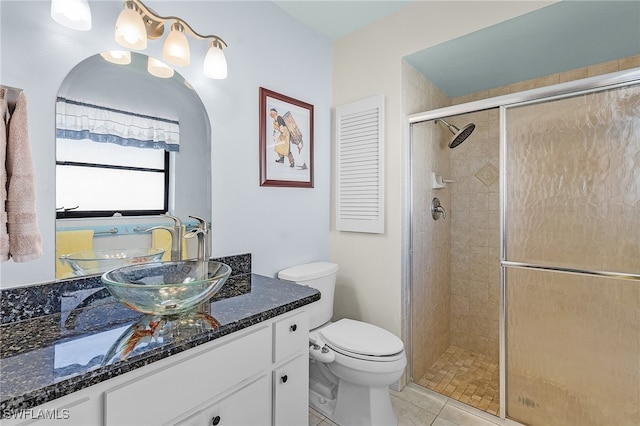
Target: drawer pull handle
pixel 284 379
pixel 215 421
pixel 293 328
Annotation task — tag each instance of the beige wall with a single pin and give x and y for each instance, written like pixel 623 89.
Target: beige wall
pixel 367 63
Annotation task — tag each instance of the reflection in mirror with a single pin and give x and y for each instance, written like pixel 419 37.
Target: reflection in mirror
pixel 132 142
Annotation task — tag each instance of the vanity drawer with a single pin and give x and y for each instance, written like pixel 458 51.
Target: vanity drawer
pixel 290 335
pixel 247 406
pixel 180 387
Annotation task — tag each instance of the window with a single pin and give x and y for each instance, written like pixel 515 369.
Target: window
pixel 102 179
pixel 110 161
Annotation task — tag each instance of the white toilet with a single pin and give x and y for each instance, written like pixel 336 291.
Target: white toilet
pixel 351 363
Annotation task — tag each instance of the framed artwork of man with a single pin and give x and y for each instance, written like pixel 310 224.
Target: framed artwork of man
pixel 286 141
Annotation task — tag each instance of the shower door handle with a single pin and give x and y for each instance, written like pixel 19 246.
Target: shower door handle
pixel 437 210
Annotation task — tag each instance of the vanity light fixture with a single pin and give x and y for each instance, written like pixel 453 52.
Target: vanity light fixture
pixel 74 14
pixel 137 23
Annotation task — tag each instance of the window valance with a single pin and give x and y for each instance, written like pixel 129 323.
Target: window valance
pixel 80 120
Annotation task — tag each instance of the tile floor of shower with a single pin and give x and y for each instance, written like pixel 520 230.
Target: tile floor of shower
pixel 466 376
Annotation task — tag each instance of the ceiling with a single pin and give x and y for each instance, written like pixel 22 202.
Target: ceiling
pixel 553 39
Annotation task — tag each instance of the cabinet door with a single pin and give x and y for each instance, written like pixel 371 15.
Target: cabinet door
pixel 247 406
pixel 291 392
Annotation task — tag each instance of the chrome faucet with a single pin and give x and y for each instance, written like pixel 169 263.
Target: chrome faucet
pixel 203 232
pixel 176 236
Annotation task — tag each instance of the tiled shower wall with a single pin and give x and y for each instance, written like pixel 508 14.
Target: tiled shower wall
pixel 430 293
pixel 475 236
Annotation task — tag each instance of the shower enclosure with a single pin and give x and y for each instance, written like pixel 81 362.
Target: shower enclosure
pixel 525 299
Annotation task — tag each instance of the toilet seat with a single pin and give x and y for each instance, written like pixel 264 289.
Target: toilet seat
pixel 361 340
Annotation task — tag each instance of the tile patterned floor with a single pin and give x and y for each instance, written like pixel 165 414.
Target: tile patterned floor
pixel 417 406
pixel 466 376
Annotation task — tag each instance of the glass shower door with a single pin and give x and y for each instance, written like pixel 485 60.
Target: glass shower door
pixel 571 258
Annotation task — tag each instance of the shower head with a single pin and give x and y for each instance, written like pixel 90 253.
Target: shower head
pixel 459 135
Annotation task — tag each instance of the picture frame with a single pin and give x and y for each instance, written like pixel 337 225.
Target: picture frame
pixel 286 141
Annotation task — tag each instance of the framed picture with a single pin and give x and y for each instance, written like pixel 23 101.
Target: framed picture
pixel 286 141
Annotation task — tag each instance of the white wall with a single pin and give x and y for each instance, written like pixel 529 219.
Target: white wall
pixel 281 227
pixel 368 63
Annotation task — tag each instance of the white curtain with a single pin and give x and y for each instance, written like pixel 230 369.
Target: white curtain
pixel 80 120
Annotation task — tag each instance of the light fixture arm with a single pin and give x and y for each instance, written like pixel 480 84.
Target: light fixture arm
pixel 155 23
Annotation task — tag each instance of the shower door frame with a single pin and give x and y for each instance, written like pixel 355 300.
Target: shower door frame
pixel 557 91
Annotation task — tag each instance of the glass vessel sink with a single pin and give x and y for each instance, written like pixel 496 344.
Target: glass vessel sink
pixel 166 288
pixel 99 261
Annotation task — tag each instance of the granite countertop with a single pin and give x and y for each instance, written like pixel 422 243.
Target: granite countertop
pixel 94 338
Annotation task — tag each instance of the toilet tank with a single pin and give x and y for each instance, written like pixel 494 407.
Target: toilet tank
pixel 321 276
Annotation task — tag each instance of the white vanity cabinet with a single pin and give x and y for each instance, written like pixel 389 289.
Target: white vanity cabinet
pixel 255 376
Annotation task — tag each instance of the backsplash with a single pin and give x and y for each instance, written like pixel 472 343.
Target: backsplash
pixel 23 303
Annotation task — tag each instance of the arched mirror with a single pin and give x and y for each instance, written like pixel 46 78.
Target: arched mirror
pixel 132 142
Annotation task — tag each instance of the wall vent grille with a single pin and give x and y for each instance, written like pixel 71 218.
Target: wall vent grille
pixel 360 166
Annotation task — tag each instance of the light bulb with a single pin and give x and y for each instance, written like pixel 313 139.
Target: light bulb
pixel 74 14
pixel 159 68
pixel 176 47
pixel 120 57
pixel 130 30
pixel 215 64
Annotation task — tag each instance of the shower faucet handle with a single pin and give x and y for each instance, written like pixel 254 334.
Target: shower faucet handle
pixel 437 210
